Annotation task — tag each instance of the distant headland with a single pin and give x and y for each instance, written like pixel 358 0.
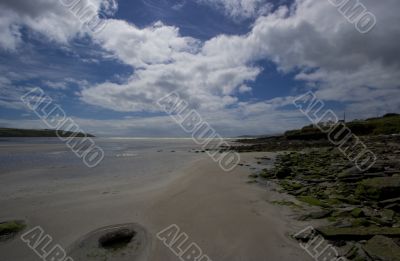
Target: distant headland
pixel 11 132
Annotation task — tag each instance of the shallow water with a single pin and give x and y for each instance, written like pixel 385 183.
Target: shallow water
pixel 32 165
pixel 22 153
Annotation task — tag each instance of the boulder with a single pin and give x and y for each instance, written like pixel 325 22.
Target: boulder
pixel 382 248
pixel 379 188
pixel 357 212
pixel 283 172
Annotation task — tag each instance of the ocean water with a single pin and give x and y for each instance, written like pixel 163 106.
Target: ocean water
pixel 33 165
pixel 22 153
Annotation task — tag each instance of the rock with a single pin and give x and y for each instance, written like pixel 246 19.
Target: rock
pixel 382 248
pixel 316 215
pixel 313 201
pixel 123 242
pixel 10 229
pixel 357 253
pixel 345 248
pixel 299 192
pixel 348 200
pixel 283 172
pixel 343 223
pixel 305 235
pixel 353 171
pixel 378 167
pixel 389 201
pixel 394 206
pixel 379 188
pixel 375 175
pixel 357 212
pixel 387 215
pixel 357 233
pixel 347 211
pixel 392 172
pixel 363 222
pixel 266 174
pixel 116 239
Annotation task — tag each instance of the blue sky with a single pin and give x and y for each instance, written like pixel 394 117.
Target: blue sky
pixel 240 63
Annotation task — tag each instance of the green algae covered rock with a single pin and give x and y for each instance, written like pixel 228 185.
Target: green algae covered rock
pixel 357 233
pixel 382 248
pixel 379 188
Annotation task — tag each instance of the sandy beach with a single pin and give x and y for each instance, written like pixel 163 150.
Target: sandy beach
pixel 228 218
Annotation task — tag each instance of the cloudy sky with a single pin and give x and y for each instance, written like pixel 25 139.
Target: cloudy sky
pixel 240 63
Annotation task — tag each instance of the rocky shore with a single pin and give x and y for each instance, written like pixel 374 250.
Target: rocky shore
pixel 360 209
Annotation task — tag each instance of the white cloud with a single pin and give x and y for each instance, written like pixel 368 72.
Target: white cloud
pixel 165 61
pixel 179 5
pixel 10 36
pixel 56 85
pixel 10 96
pixel 228 123
pixel 340 62
pixel 240 9
pixel 310 38
pixel 50 18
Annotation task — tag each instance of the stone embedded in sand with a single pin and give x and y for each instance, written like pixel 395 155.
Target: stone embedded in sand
pixel 125 242
pixel 9 229
pixel 117 239
pixel 382 248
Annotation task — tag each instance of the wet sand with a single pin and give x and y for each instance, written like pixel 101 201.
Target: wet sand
pixel 228 218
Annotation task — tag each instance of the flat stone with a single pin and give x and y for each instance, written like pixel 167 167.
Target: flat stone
pixel 357 233
pixel 382 248
pixel 380 188
pixel 389 201
pixel 394 206
pixel 316 215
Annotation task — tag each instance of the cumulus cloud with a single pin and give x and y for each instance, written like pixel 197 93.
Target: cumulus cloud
pixel 310 38
pixel 164 61
pixel 58 20
pixel 338 61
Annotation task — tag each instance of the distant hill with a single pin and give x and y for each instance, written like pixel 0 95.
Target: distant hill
pixel 311 137
pixel 7 132
pixel 385 125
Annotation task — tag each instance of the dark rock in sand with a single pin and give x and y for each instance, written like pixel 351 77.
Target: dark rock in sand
pixel 9 229
pixel 127 242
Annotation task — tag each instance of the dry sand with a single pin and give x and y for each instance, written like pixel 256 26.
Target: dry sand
pixel 228 218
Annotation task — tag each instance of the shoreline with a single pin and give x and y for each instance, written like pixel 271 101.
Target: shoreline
pixel 228 218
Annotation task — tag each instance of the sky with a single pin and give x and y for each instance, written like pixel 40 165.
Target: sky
pixel 238 63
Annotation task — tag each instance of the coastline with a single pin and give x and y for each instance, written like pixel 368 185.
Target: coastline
pixel 228 218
